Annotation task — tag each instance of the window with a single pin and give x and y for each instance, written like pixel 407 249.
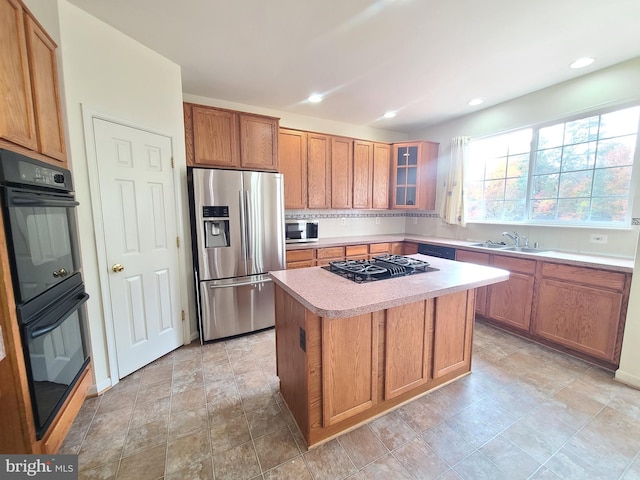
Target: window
pixel 574 172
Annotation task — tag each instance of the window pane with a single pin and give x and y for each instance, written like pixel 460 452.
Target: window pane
pixel 574 209
pixel 575 184
pixel 411 195
pixel 578 157
pixel 545 186
pixel 548 161
pixel 493 210
pixel 412 176
pixel 518 165
pixel 516 189
pixel 490 148
pixel 475 210
pixel 549 137
pixel 609 209
pixel 494 189
pixel 413 155
pixel 402 155
pixel 611 181
pixel 544 209
pixel 520 141
pixel 622 122
pixel 616 152
pixel 496 168
pixel 514 210
pixel 473 191
pixel 583 130
pixel 402 176
pixel 400 196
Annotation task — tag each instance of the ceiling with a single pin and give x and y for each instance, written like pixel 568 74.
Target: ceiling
pixel 424 59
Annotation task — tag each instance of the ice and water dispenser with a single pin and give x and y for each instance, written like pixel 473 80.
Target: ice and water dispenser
pixel 216 226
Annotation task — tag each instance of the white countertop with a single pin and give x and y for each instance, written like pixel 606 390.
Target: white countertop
pixel 578 259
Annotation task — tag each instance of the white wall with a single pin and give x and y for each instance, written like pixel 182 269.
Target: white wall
pixel 108 72
pixel 617 85
pixel 301 122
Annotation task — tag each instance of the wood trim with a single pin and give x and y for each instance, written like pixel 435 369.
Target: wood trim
pixel 188 133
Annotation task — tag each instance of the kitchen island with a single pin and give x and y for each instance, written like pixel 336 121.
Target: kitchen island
pixel 348 352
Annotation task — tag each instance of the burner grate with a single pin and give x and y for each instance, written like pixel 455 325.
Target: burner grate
pixel 378 268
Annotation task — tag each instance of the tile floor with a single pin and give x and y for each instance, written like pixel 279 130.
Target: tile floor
pixel 214 412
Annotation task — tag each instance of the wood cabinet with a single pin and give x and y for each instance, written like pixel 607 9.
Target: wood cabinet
pixel 397 248
pixel 301 258
pixel 481 293
pixel 510 302
pixel 329 254
pixel 222 138
pixel 319 171
pixel 452 333
pixel 349 367
pixel 30 110
pixel 582 309
pixel 379 249
pixel 292 152
pixel 341 172
pixel 381 172
pixel 409 248
pixel 414 175
pixel 362 174
pixel 357 252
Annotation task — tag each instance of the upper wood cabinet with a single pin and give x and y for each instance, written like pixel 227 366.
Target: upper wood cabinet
pixel 341 172
pixel 292 152
pixel 217 137
pixel 318 171
pixel 362 174
pixel 414 175
pixel 381 172
pixel 30 110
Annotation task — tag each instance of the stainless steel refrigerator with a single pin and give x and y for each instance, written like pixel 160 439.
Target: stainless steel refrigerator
pixel 237 223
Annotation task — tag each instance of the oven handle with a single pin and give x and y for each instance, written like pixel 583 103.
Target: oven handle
pixel 44 330
pixel 20 200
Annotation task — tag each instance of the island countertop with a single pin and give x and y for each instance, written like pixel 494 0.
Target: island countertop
pixel 328 295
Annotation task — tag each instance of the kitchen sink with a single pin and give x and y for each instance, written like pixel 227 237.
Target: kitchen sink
pixel 488 245
pixel 524 249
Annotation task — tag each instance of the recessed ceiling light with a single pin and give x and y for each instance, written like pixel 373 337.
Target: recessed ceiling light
pixel 475 101
pixel 582 62
pixel 315 98
pixel 389 114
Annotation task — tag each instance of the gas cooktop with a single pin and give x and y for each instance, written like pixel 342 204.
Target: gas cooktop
pixel 380 267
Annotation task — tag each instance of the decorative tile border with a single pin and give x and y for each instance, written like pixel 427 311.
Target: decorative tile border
pixel 314 215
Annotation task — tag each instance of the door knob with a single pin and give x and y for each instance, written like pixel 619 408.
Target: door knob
pixel 116 267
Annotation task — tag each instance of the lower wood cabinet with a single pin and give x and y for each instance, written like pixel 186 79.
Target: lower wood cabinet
pixel 301 258
pixel 578 309
pixel 329 254
pixel 357 252
pixel 510 302
pixel 582 309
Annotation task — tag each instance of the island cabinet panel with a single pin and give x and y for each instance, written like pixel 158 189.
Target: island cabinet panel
pixel 318 170
pixel 292 154
pixel 407 347
pixel 481 293
pixel 362 174
pixel 349 366
pixel 510 302
pixel 452 333
pixel 341 172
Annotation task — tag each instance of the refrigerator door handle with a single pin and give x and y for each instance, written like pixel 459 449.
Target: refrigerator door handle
pixel 243 228
pixel 243 284
pixel 246 224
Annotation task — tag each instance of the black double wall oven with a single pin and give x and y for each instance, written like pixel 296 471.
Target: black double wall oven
pixel 40 225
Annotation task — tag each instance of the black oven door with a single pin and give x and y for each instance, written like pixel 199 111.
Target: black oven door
pixel 55 351
pixel 41 233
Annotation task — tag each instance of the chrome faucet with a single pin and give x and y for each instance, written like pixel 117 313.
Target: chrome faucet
pixel 515 237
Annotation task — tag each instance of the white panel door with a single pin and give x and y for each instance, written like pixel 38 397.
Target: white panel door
pixel 138 207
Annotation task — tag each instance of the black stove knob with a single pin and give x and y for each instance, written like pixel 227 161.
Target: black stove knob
pixel 58 178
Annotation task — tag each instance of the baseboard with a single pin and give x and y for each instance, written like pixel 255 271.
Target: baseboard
pixel 194 336
pixel 627 378
pixel 99 387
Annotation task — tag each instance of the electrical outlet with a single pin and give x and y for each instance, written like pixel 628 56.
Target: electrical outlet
pixel 343 221
pixel 377 220
pixel 415 220
pixel 599 238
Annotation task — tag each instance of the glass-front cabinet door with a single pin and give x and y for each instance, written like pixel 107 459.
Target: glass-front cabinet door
pixel 406 176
